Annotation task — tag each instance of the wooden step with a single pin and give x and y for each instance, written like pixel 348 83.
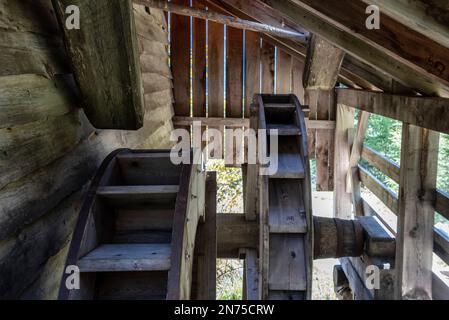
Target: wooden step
pixel 287 265
pixel 148 168
pixel 286 212
pixel 127 257
pixel 284 129
pixel 290 165
pixel 121 196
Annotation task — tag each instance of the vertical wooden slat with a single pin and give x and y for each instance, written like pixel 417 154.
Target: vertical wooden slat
pixel 216 69
pixel 252 71
pixel 199 66
pixel 267 60
pixel 234 62
pixel 234 80
pixel 283 72
pixel 216 72
pixel 199 63
pixel 297 85
pixel 414 246
pixel 180 60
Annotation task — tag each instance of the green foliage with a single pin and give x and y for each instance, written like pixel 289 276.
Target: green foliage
pixel 229 279
pixel 230 187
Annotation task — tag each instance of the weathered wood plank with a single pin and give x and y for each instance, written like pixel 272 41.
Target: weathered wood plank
pixel 251 277
pixel 105 58
pixel 234 64
pixel 297 83
pixel 180 61
pixel 127 257
pixel 235 232
pixel 286 211
pixel 46 140
pixel 286 263
pixel 381 162
pixel 283 72
pixel 41 240
pixel 426 112
pixel 419 159
pixel 317 23
pixel 252 65
pixel 342 199
pixel 267 62
pixel 199 64
pixel 30 97
pixel 426 17
pixel 388 197
pixel 416 51
pixel 206 244
pixel 32 53
pixel 442 203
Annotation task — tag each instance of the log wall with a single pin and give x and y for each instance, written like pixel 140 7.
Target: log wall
pixel 48 148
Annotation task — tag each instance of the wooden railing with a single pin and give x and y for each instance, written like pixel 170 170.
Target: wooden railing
pixel 390 199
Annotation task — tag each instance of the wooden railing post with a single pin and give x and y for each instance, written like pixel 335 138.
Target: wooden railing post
pixel 419 160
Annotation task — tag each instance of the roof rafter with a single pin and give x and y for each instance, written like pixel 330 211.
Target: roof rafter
pixel 320 24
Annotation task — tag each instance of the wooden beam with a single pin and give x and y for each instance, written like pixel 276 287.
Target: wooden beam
pixel 426 112
pixel 354 73
pixel 342 199
pixel 353 177
pixel 414 50
pixel 106 62
pixel 322 66
pixel 388 197
pixel 243 123
pixel 221 18
pixel 385 165
pixel 429 18
pixel 323 63
pixel 234 232
pixel 419 159
pixel 381 60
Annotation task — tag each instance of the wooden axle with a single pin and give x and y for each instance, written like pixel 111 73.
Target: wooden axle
pixel 336 238
pixel 224 19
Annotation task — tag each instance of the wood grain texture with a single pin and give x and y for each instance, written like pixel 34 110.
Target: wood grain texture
pixel 252 65
pixel 180 61
pixel 426 112
pixel 419 159
pixel 268 64
pixel 381 60
pixel 105 59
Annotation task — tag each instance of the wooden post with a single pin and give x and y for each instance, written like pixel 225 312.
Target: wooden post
pixel 323 63
pixel 353 178
pixel 206 244
pixel 342 199
pixel 419 160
